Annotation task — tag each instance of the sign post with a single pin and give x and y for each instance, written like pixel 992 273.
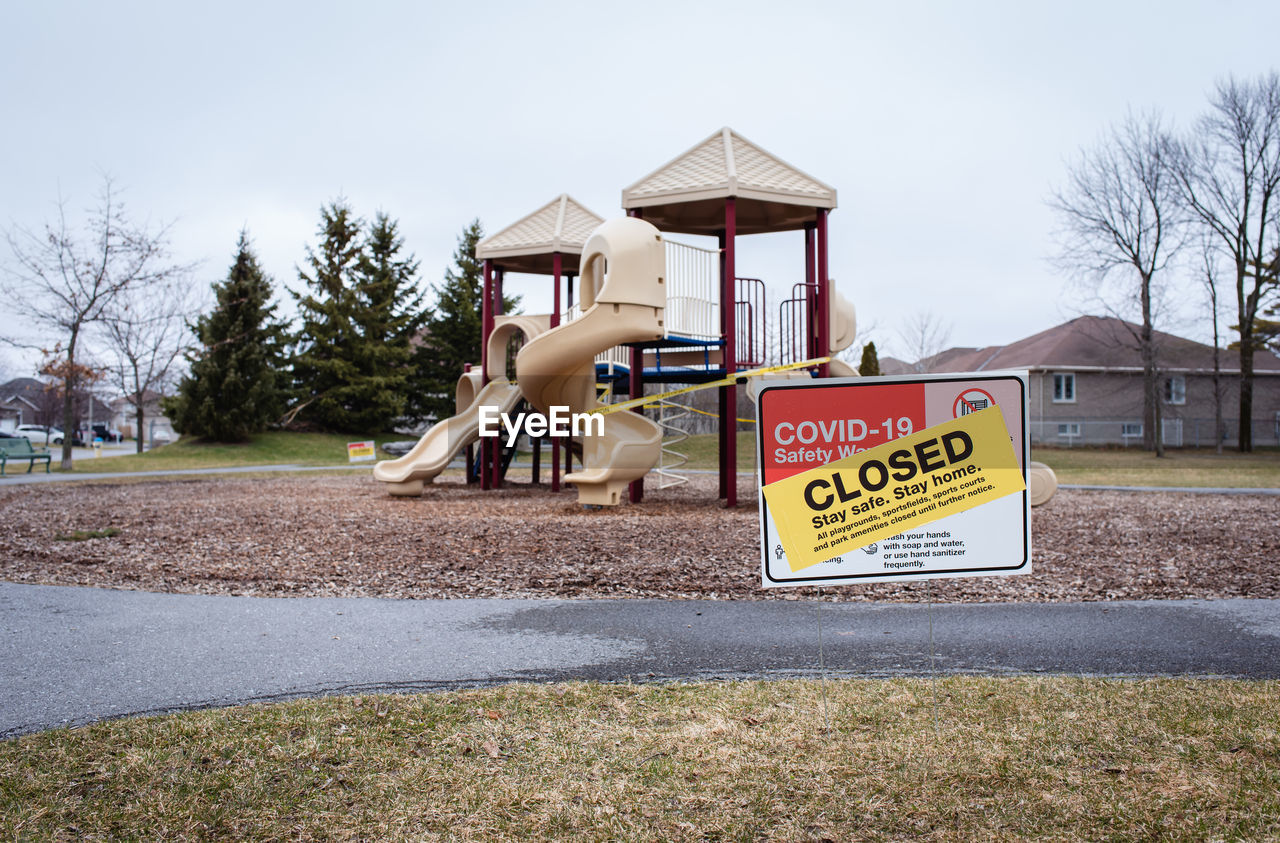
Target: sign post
pixel 893 478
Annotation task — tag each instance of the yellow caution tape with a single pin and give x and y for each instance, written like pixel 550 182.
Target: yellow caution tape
pixel 727 381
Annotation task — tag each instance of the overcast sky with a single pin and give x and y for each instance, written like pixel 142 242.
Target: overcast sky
pixel 943 126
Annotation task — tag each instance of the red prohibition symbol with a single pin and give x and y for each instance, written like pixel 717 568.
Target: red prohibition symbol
pixel 971 401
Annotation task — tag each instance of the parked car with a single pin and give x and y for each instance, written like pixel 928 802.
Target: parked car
pixel 40 433
pixel 106 434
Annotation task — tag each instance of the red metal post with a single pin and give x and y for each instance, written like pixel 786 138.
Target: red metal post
pixel 635 386
pixel 486 328
pixel 635 389
pixel 486 321
pixel 721 441
pixel 568 444
pixel 495 307
pixel 729 329
pixel 824 295
pixel 557 265
pixel 810 294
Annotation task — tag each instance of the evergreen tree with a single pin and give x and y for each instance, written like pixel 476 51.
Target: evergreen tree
pixel 352 349
pixel 1268 329
pixel 870 364
pixel 391 316
pixel 324 369
pixel 1267 325
pixel 235 386
pixel 452 335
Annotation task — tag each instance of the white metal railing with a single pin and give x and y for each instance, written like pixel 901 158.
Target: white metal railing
pixel 693 291
pixel 693 298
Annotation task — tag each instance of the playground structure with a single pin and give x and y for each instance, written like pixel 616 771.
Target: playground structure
pixel 652 311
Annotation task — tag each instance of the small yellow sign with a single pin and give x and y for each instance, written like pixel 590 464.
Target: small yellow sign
pixel 891 488
pixel 360 451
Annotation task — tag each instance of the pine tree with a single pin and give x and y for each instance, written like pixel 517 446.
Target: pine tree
pixel 324 367
pixel 352 349
pixel 870 364
pixel 1268 329
pixel 1266 326
pixel 235 387
pixel 452 335
pixel 391 316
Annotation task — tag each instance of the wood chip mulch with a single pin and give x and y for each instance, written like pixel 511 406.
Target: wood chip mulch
pixel 343 536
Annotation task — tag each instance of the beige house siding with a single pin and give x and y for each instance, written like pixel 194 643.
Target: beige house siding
pixel 1105 402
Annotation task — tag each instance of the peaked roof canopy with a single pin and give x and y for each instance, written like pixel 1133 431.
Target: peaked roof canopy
pixel 527 245
pixel 687 193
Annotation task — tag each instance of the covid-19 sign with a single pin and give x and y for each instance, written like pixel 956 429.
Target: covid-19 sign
pixel 876 479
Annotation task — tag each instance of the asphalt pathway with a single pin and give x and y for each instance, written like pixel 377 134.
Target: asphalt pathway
pixel 74 655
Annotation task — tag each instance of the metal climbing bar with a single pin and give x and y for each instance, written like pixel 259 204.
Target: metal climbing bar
pixel 751 323
pixel 670 460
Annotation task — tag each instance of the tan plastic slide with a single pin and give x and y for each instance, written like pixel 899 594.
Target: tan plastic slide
pixel 439 445
pixel 843 330
pixel 623 300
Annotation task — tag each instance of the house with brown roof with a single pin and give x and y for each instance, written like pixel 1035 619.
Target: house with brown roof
pixel 32 401
pixel 19 404
pixel 1086 384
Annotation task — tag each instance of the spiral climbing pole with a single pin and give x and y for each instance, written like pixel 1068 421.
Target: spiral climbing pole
pixel 670 413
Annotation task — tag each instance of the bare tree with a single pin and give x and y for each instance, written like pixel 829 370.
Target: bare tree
pixel 924 336
pixel 63 280
pixel 146 332
pixel 1210 274
pixel 1229 175
pixel 1120 218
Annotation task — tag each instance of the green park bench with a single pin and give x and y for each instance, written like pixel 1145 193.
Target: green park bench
pixel 20 449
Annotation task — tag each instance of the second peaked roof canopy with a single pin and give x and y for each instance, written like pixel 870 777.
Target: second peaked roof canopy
pixel 687 193
pixel 529 244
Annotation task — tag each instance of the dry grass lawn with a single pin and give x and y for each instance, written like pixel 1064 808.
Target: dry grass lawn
pixel 1057 758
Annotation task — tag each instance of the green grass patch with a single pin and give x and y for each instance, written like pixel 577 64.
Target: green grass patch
pixel 85 535
pixel 1011 758
pixel 703 450
pixel 271 448
pixel 1179 467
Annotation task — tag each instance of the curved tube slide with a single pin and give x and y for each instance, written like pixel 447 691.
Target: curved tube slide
pixel 623 300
